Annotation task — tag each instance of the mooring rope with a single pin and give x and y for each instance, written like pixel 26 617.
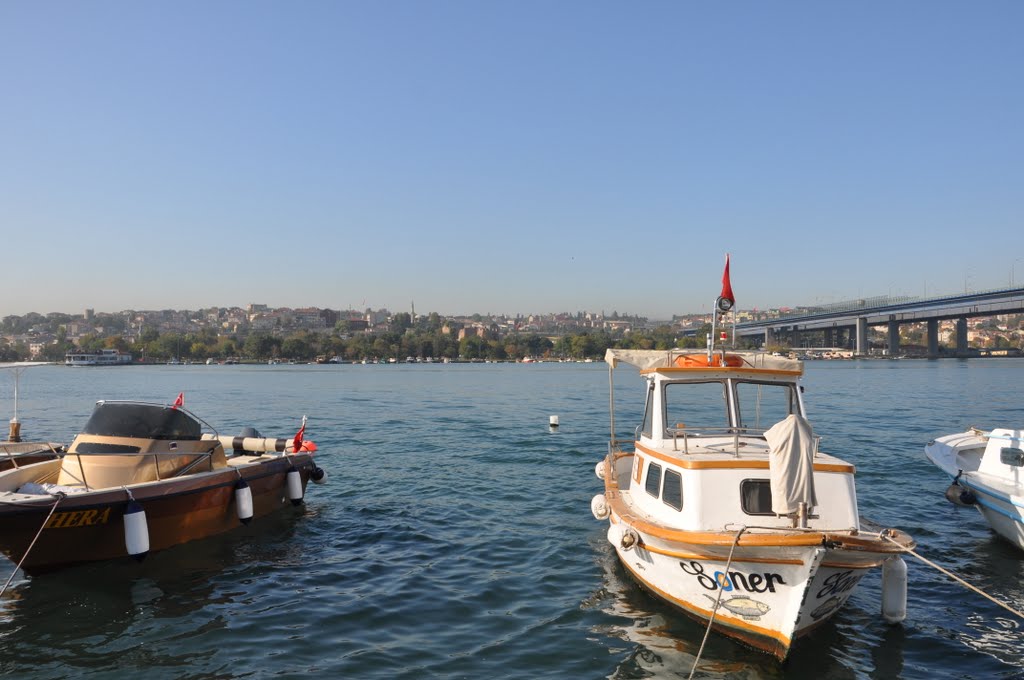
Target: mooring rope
pixel 718 600
pixel 60 496
pixel 956 578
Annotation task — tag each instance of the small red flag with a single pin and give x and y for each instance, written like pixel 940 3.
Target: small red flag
pixel 726 284
pixel 180 401
pixel 297 444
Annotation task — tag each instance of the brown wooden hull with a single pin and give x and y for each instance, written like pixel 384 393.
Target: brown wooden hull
pixel 90 527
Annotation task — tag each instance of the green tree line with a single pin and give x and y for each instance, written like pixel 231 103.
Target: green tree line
pixel 401 342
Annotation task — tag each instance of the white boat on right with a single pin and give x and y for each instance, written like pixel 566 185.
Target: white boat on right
pixel 987 469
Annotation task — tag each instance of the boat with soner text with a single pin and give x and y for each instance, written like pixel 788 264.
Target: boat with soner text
pixel 722 504
pixel 141 477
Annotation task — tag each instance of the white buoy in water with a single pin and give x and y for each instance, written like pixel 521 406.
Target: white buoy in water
pixel 136 531
pixel 599 470
pixel 599 507
pixel 553 421
pixel 894 590
pixel 294 484
pixel 243 501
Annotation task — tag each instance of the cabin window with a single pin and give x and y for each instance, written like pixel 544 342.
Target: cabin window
pixel 647 427
pixel 756 496
pixel 653 479
pixel 672 490
pixel 761 405
pixel 693 406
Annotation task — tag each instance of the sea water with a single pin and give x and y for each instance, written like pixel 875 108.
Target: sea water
pixel 454 538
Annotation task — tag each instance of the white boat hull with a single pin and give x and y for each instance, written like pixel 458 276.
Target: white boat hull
pixel 765 597
pixel 998 489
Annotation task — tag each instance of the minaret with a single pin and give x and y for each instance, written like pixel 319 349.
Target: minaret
pixel 413 310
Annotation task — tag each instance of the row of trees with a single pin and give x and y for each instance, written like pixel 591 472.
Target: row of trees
pixel 306 346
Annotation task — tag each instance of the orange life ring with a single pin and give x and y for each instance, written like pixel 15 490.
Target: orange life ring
pixel 695 360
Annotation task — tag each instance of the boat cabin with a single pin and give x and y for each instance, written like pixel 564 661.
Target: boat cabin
pixel 1004 455
pixel 725 441
pixel 131 442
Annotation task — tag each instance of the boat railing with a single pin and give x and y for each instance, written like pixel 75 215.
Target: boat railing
pixel 13 451
pixel 200 457
pixel 740 437
pixel 689 432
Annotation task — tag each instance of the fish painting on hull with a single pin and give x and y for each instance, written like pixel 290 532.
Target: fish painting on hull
pixel 749 608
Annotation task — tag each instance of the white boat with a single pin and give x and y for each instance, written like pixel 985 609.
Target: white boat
pixel 987 469
pixel 722 505
pixel 105 357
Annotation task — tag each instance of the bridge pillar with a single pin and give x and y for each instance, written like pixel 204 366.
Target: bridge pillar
pixel 769 336
pixel 862 336
pixel 961 336
pixel 933 338
pixel 830 340
pixel 894 337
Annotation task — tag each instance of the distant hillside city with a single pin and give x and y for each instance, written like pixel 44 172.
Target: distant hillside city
pixel 260 333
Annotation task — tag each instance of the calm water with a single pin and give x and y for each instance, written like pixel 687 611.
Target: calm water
pixel 454 537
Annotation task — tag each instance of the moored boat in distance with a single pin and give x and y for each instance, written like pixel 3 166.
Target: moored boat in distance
pixel 987 471
pixel 104 357
pixel 14 452
pixel 142 477
pixel 722 505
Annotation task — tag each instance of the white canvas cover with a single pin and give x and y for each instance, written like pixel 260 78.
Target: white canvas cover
pixel 791 464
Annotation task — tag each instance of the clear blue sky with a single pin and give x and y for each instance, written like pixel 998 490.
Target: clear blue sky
pixel 506 157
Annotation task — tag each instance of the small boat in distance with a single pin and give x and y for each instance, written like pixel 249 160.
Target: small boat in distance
pixel 721 504
pixel 142 477
pixel 987 469
pixel 105 357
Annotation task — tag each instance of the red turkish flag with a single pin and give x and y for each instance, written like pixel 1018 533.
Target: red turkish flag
pixel 180 401
pixel 726 284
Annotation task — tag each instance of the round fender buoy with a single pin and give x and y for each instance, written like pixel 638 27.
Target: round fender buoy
pixel 136 531
pixel 243 501
pixel 318 475
pixel 599 507
pixel 294 483
pixel 599 470
pixel 958 495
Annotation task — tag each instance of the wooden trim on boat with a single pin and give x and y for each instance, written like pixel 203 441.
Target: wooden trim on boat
pixel 845 540
pixel 689 463
pixel 704 557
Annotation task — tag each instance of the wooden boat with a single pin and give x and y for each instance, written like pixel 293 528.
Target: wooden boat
pixel 987 469
pixel 722 505
pixel 142 477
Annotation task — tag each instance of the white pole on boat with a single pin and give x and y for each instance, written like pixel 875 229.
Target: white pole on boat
pixel 611 400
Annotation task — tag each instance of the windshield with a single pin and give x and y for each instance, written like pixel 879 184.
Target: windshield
pixel 143 421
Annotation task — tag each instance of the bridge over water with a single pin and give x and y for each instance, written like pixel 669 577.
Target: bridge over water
pixel 846 324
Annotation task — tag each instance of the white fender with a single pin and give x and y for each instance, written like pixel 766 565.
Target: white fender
pixel 243 501
pixel 599 470
pixel 136 531
pixel 894 590
pixel 318 475
pixel 599 507
pixel 621 536
pixel 294 484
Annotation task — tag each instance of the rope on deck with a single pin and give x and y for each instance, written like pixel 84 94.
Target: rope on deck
pixel 60 495
pixel 956 578
pixel 714 610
